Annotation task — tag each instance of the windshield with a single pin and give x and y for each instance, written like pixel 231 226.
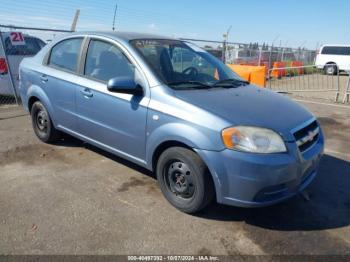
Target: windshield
pixel 182 65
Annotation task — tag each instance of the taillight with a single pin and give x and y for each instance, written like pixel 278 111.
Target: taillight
pixel 3 66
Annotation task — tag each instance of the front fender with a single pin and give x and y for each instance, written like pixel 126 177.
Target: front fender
pixel 183 133
pixel 38 92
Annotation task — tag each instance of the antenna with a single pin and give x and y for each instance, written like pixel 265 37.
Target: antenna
pixel 115 13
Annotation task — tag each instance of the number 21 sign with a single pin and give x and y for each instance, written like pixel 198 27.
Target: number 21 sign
pixel 17 38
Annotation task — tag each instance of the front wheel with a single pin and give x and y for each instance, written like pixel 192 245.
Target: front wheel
pixel 184 179
pixel 42 124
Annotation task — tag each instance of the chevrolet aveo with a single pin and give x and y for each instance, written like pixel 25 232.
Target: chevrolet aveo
pixel 174 109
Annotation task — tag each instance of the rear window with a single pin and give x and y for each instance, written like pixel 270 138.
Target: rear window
pixel 32 47
pixel 336 50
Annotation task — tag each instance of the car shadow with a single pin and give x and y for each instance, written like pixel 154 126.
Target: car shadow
pixel 328 205
pixel 70 141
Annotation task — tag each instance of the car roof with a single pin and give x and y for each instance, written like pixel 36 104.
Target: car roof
pixel 336 45
pixel 126 36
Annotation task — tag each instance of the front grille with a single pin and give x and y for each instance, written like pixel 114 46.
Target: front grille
pixel 307 136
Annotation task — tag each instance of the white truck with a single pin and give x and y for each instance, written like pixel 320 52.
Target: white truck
pixel 333 58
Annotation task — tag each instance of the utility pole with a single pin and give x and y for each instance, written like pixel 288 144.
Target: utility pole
pixel 75 20
pixel 283 48
pixel 115 14
pixel 224 46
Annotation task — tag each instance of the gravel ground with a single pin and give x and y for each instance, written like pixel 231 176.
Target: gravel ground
pixel 72 198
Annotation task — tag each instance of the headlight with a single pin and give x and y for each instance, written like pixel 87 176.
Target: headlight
pixel 253 139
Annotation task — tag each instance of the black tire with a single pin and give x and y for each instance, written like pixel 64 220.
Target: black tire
pixel 184 179
pixel 42 124
pixel 331 69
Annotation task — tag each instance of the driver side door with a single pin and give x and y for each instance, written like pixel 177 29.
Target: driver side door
pixel 114 121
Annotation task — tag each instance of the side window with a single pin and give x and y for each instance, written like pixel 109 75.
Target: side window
pixel 330 50
pixel 344 50
pixel 105 61
pixel 66 53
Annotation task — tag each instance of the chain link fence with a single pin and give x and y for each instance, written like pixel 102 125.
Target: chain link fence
pixel 346 98
pixel 17 43
pixel 288 70
pixel 7 90
pixel 311 83
pixel 255 54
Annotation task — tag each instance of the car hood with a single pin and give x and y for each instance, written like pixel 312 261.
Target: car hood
pixel 250 106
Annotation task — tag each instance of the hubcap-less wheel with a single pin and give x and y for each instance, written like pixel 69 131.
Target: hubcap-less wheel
pixel 42 121
pixel 179 180
pixel 184 179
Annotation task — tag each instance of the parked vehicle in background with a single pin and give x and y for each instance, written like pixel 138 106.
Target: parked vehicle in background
pixel 17 46
pixel 174 109
pixel 333 58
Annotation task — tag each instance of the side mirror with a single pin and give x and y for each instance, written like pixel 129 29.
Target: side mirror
pixel 126 85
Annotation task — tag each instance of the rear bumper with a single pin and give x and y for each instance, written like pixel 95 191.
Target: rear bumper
pixel 256 180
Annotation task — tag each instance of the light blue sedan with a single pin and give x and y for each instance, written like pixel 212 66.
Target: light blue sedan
pixel 174 109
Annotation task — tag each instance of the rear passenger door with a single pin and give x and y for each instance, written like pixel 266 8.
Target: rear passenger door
pixel 59 81
pixel 114 121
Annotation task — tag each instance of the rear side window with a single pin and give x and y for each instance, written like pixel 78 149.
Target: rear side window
pixel 329 50
pixel 105 61
pixel 65 54
pixel 344 50
pixel 336 50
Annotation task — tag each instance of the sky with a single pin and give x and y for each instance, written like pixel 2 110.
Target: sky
pixel 290 23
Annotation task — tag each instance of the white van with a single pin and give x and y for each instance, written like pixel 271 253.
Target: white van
pixel 332 58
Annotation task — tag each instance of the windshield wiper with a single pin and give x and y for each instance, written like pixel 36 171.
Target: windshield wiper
pixel 194 84
pixel 230 82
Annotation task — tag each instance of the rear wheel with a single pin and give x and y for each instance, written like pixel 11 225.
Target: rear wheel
pixel 331 69
pixel 42 124
pixel 184 179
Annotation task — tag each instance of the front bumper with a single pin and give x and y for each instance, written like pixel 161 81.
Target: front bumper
pixel 256 180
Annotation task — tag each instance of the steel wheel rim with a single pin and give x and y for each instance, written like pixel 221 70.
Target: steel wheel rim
pixel 179 180
pixel 42 121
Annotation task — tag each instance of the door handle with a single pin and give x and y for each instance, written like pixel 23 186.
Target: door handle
pixel 86 93
pixel 44 78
